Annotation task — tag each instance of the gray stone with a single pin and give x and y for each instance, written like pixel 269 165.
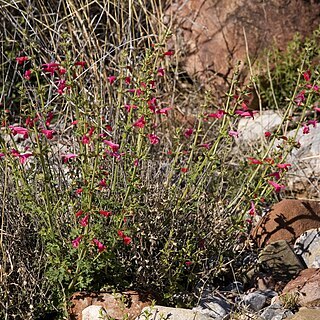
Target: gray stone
pixel 307 246
pixel 94 313
pixel 279 258
pixel 161 313
pixel 255 300
pixel 275 312
pixel 213 306
pixel 253 129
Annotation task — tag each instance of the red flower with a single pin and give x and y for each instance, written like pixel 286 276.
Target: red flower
pixel 184 170
pixel 68 156
pixel 254 161
pixel 205 145
pixel 276 175
pixel 248 113
pixel 85 139
pixel 140 123
pixel 112 79
pixel 80 63
pixel 103 183
pixel 78 191
pixel 127 80
pixel 128 107
pixel 252 211
pixel 163 111
pixel 307 75
pixel 48 133
pixel 312 122
pixel 267 134
pixel 105 213
pixel 50 67
pixel 169 53
pixel 154 139
pixel 79 213
pixel 126 240
pixel 120 233
pixel 76 242
pixel 84 221
pixel 160 72
pixel 306 129
pixel 188 263
pixel 27 74
pixel 21 60
pixel 100 246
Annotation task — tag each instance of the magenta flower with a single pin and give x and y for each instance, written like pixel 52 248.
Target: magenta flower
pixel 127 80
pixel 284 166
pixel 160 72
pixel 84 221
pixel 232 133
pixel 27 74
pixel 188 133
pixel 68 156
pixel 21 60
pixel 205 145
pixel 112 79
pixel 305 129
pixel 163 111
pixel 267 134
pixel 76 242
pixel 24 156
pixel 248 113
pixel 218 115
pixel 2 155
pixel 276 186
pixel 85 139
pixel 154 139
pixel 19 130
pixel 252 210
pixel 140 123
pixel 312 122
pixel 100 246
pixel 188 263
pixel 129 107
pixel 276 175
pixel 103 183
pixel 300 98
pixel 114 147
pixel 48 133
pixel 50 67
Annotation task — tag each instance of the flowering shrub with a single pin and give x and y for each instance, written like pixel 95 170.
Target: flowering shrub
pixel 115 192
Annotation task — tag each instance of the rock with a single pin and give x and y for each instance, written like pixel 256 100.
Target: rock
pixel 287 220
pixel 307 314
pixel 211 33
pixel 275 312
pixel 307 288
pixel 93 313
pixel 307 247
pixel 213 306
pixel 251 130
pixel 279 259
pixel 258 299
pixel 159 313
pixel 303 176
pixel 117 305
pixel 235 286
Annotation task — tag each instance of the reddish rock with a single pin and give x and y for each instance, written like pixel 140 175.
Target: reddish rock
pixel 210 33
pixel 287 220
pixel 307 287
pixel 117 305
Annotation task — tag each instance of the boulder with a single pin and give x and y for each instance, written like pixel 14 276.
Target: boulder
pixel 279 258
pixel 93 313
pixel 307 314
pixel 287 220
pixel 307 288
pixel 211 33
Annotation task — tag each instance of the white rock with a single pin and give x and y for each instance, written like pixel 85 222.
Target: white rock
pixel 94 313
pixel 251 130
